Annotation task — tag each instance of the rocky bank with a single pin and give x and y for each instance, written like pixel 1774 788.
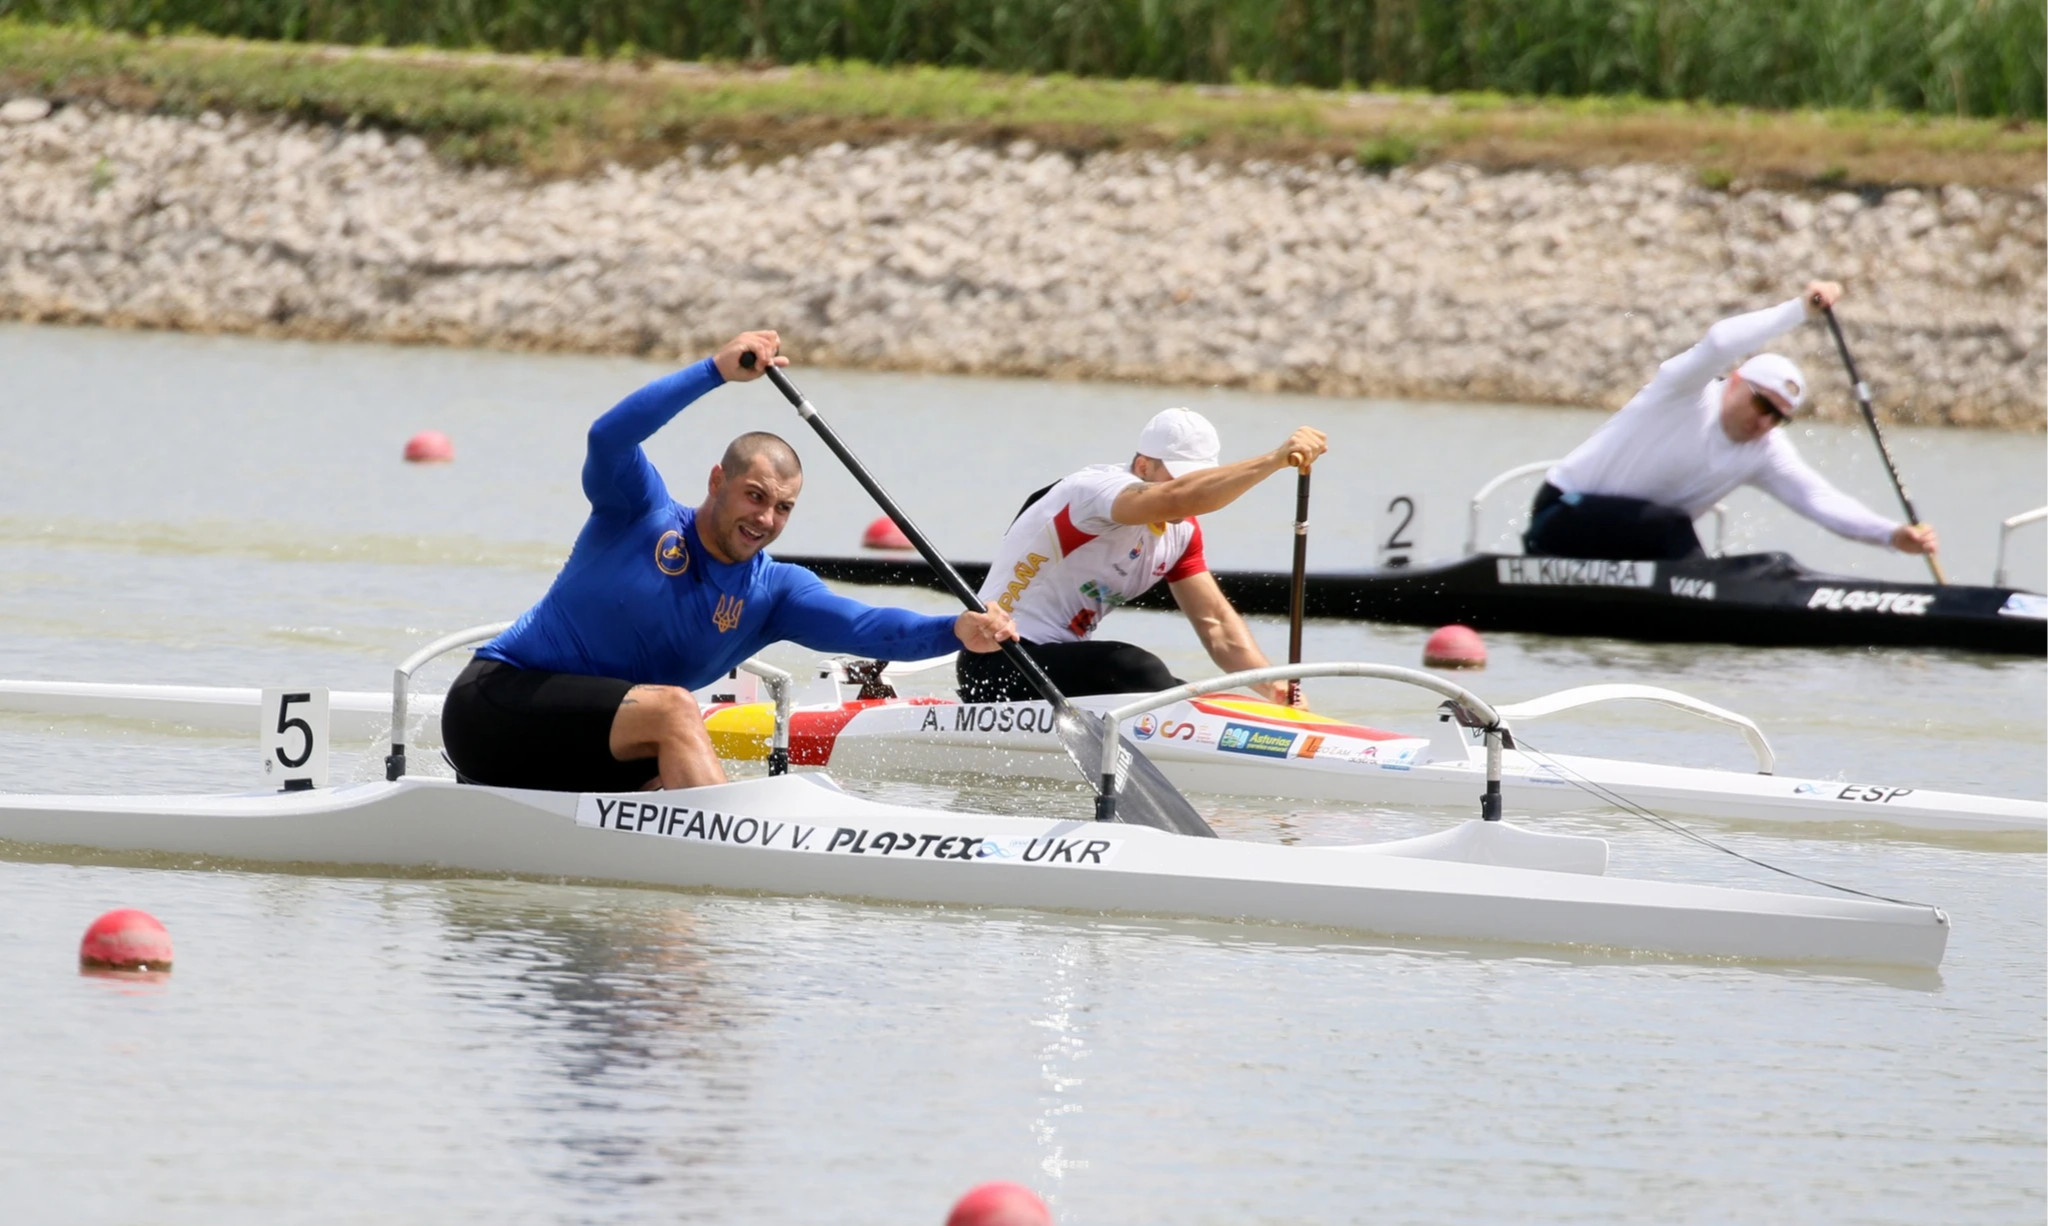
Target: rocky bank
pixel 1440 282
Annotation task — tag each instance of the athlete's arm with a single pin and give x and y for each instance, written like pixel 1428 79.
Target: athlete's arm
pixel 617 476
pixel 1212 489
pixel 1792 481
pixel 809 613
pixel 1223 633
pixel 1724 346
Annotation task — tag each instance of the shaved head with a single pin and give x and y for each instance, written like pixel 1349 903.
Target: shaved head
pixel 749 497
pixel 741 453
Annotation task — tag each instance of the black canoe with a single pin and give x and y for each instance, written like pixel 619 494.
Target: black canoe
pixel 1760 599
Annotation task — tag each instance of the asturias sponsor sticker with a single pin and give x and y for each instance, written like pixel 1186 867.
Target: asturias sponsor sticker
pixel 1264 742
pixel 706 826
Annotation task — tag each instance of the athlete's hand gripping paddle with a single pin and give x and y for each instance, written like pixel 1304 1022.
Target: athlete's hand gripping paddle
pixel 1130 789
pixel 1870 416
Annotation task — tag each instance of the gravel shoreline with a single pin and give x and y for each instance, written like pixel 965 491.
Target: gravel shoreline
pixel 1436 283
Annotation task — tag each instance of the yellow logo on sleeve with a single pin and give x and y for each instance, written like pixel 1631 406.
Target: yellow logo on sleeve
pixel 727 615
pixel 670 554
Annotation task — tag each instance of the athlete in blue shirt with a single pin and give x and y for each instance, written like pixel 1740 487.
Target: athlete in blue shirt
pixel 590 689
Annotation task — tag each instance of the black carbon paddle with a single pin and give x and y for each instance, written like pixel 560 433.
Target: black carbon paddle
pixel 1862 391
pixel 1297 591
pixel 1145 797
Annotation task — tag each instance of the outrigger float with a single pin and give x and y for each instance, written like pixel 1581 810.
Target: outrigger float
pixel 1485 881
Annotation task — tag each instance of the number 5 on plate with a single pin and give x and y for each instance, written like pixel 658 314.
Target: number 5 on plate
pixel 295 739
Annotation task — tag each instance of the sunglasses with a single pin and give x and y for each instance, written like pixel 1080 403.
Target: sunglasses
pixel 1768 407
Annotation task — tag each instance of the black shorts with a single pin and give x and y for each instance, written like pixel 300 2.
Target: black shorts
pixel 1086 667
pixel 1606 527
pixel 516 727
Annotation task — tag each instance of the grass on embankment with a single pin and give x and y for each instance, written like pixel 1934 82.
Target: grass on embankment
pixel 567 116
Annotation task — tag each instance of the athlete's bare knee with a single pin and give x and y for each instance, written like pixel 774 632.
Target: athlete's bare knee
pixel 652 716
pixel 666 704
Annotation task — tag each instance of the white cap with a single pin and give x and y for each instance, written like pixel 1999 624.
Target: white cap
pixel 1773 373
pixel 1181 439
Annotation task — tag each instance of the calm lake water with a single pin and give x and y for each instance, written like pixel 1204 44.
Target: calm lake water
pixel 359 1048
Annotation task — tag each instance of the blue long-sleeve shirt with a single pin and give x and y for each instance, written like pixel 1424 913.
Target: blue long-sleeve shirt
pixel 640 599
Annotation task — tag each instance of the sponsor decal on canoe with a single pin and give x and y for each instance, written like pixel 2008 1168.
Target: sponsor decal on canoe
pixel 1695 589
pixel 1144 727
pixel 708 826
pixel 1575 572
pixel 1245 709
pixel 2025 604
pixel 1868 794
pixel 1262 742
pixel 1863 600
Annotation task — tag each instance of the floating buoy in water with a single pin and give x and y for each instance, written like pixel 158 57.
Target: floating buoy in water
pixel 884 534
pixel 1454 647
pixel 429 447
pixel 1000 1204
pixel 126 940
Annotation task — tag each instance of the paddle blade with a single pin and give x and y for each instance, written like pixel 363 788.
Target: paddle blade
pixel 1145 798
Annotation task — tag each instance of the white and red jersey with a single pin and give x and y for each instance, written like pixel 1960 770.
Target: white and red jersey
pixel 1065 563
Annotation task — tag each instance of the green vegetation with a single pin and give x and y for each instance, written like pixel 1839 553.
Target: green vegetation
pixel 564 116
pixel 1951 57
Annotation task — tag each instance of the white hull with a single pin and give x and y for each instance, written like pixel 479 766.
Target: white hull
pixel 799 835
pixel 1401 771
pixel 1446 770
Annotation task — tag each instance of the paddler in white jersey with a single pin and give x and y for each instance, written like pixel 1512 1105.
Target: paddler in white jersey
pixel 1100 538
pixel 1702 427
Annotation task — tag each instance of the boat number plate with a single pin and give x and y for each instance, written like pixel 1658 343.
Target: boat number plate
pixel 294 738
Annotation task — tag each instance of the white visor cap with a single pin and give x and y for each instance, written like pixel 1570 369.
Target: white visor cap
pixel 1775 373
pixel 1181 439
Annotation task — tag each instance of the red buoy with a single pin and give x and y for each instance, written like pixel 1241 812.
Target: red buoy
pixel 429 447
pixel 1454 647
pixel 884 534
pixel 1000 1204
pixel 126 940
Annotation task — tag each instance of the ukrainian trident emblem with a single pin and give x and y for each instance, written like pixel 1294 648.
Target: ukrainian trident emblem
pixel 727 614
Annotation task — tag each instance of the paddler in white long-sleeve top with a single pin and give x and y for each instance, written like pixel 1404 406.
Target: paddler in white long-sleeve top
pixel 1703 426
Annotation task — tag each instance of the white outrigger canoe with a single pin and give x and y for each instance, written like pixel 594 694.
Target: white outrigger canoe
pixel 1222 744
pixel 1232 745
pixel 1484 881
